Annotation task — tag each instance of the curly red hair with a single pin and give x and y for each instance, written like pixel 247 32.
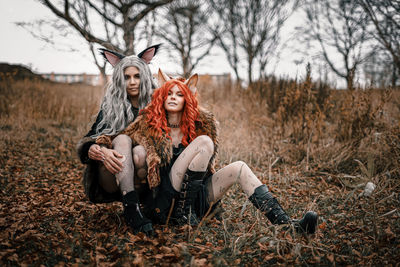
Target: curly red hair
pixel 157 117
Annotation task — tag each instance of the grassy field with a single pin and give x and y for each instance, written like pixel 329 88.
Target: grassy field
pixel 314 147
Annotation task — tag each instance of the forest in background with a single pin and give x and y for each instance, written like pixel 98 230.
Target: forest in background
pixel 349 43
pixel 315 147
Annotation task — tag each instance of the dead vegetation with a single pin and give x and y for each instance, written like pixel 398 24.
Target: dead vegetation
pixel 316 148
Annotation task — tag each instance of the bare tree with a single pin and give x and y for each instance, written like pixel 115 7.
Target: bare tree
pixel 385 17
pixel 251 27
pixel 380 70
pixel 110 23
pixel 185 29
pixel 340 28
pixel 224 29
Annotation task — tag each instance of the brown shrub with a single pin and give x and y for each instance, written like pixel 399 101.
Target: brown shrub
pixel 69 104
pixel 312 127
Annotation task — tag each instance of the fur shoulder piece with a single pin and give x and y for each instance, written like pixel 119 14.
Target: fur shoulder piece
pixel 159 150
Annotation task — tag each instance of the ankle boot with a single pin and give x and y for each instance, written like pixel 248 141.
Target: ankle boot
pixel 134 216
pixel 184 211
pixel 264 201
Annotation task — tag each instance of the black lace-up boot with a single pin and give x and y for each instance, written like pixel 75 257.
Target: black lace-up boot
pixel 184 211
pixel 134 216
pixel 265 202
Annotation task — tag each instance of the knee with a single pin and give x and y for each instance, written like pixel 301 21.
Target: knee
pixel 238 167
pixel 139 156
pixel 122 140
pixel 206 143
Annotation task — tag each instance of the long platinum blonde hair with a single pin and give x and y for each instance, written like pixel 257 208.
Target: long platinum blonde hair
pixel 116 106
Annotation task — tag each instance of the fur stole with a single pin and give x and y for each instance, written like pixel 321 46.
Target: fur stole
pixel 159 150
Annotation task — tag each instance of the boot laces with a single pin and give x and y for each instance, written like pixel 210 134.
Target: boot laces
pixel 138 210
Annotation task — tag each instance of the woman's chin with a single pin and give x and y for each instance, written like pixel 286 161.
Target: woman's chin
pixel 173 110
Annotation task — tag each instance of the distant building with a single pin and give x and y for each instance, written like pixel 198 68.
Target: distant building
pixel 91 79
pixel 215 79
pixel 96 79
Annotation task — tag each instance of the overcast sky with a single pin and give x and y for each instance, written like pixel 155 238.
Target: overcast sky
pixel 18 46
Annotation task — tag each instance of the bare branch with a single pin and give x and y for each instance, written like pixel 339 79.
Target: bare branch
pixel 185 29
pixel 88 36
pixel 103 13
pixel 338 26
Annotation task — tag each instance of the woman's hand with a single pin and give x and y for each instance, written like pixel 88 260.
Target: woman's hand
pixel 95 153
pixel 112 160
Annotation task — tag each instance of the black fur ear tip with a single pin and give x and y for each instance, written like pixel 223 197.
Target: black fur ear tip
pixel 103 50
pixel 156 48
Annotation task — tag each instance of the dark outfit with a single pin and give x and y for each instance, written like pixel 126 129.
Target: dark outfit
pixel 93 190
pixel 157 208
pixel 161 155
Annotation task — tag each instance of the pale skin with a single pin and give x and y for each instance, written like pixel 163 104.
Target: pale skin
pixel 113 160
pixel 198 153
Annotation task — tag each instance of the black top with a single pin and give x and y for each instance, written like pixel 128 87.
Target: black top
pixel 164 171
pixel 176 152
pixel 99 117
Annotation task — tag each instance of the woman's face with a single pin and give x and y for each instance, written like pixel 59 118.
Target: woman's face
pixel 175 100
pixel 132 79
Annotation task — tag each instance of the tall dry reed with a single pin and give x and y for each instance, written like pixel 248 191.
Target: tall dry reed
pixel 306 124
pixel 71 105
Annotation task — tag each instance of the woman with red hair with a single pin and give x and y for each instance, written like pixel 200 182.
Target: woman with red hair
pixel 181 143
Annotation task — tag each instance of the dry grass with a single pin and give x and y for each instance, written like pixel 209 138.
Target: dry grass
pixel 314 147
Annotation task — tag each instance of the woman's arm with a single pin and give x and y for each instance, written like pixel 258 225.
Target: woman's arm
pixel 85 144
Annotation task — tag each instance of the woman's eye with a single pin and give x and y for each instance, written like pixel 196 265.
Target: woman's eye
pixel 126 77
pixel 137 76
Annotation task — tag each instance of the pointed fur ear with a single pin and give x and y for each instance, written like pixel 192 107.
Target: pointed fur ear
pixel 112 57
pixel 192 83
pixel 162 78
pixel 148 54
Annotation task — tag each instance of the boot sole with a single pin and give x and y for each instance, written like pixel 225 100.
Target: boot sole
pixel 308 223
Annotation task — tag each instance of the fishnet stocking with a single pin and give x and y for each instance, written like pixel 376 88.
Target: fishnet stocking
pixel 123 145
pixel 195 157
pixel 223 179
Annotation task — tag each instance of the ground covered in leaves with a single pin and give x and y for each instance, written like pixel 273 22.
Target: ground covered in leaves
pixel 318 159
pixel 46 219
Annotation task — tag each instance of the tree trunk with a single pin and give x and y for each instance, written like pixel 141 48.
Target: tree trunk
pixel 250 71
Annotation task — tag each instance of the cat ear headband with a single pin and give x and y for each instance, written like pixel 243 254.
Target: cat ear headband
pixel 114 58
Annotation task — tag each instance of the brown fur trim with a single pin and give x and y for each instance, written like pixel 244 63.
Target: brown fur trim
pixel 81 143
pixel 104 140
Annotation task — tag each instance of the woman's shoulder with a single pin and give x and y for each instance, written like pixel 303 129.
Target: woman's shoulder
pixel 207 122
pixel 206 116
pixel 141 117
